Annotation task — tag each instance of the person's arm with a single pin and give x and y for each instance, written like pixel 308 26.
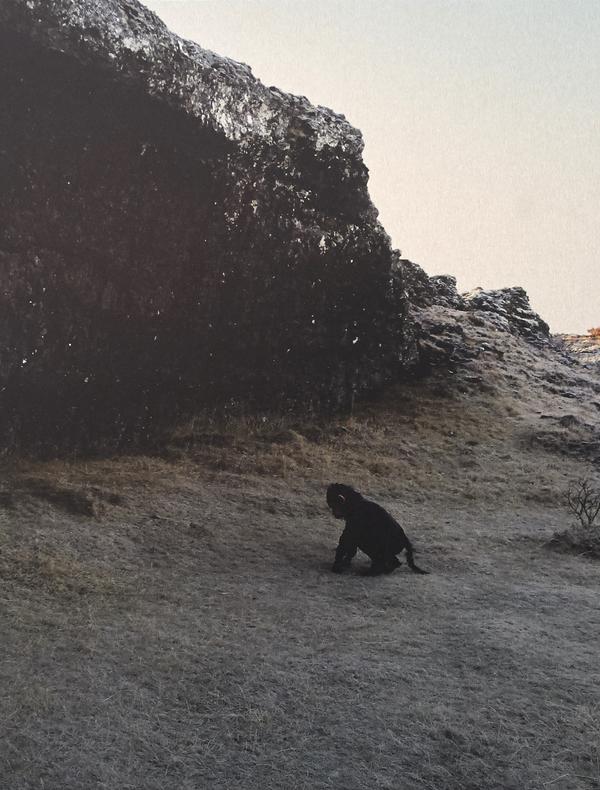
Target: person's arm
pixel 345 551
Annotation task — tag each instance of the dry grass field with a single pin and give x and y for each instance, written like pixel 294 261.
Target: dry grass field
pixel 169 621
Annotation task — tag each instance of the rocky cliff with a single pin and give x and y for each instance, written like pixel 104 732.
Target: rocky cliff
pixel 173 233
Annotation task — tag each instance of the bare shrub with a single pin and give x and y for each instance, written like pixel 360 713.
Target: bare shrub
pixel 583 501
pixel 594 331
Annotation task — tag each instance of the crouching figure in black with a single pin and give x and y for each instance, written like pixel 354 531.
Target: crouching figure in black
pixel 369 528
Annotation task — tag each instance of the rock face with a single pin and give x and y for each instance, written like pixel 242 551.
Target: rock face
pixel 439 315
pixel 510 310
pixel 174 233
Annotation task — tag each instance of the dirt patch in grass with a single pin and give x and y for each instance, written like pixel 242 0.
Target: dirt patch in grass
pixel 89 501
pixel 40 567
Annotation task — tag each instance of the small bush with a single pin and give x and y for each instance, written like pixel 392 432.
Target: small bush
pixel 594 331
pixel 583 501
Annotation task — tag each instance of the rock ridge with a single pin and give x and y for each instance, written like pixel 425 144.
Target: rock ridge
pixel 130 42
pixel 584 348
pixel 439 315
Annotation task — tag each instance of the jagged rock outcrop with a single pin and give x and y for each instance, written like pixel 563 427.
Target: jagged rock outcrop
pixel 509 309
pixel 439 312
pixel 416 282
pixel 445 293
pixel 174 233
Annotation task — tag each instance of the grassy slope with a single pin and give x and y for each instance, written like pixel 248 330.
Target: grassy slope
pixel 171 622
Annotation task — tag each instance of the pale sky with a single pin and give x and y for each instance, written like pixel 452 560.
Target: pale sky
pixel 481 121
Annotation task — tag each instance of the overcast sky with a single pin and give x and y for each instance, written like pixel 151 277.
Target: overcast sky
pixel 481 121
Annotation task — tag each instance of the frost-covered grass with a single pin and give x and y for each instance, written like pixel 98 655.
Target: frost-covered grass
pixel 171 622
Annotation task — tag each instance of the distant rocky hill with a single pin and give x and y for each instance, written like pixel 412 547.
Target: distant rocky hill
pixel 585 348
